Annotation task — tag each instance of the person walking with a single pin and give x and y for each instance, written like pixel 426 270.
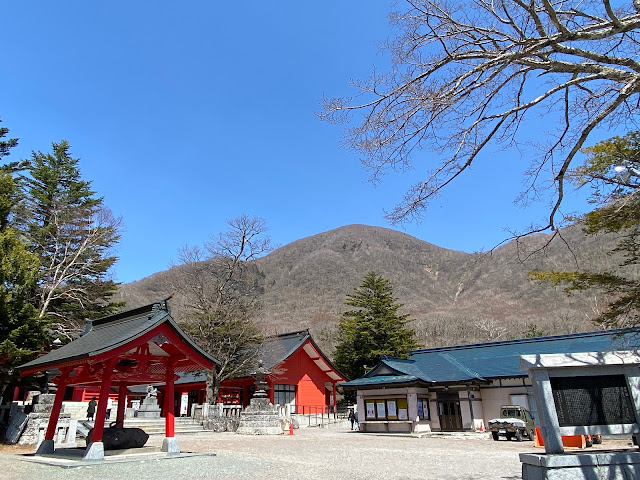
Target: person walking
pixel 351 417
pixel 109 407
pixel 91 409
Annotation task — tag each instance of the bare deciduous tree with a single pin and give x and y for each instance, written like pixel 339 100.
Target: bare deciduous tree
pixel 69 246
pixel 219 288
pixel 469 73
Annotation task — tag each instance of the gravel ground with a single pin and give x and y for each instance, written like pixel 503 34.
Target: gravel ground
pixel 311 453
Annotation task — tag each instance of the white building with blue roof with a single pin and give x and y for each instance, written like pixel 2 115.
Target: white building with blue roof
pixel 460 388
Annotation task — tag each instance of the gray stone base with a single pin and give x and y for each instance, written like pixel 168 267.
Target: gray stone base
pixel 45 447
pixel 170 445
pixel 149 413
pixel 221 424
pixel 260 418
pixel 94 451
pixel 610 465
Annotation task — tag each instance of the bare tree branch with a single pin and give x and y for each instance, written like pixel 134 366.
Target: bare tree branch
pixel 462 80
pixel 219 292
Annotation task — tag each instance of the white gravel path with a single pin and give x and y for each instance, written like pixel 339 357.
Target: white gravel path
pixel 310 453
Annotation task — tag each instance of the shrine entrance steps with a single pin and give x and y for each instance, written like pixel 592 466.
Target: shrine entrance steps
pixel 152 426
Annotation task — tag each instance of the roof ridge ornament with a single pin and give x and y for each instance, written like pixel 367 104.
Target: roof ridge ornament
pixel 162 305
pixel 88 326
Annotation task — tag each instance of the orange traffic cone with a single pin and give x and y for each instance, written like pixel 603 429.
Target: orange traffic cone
pixel 482 426
pixel 291 428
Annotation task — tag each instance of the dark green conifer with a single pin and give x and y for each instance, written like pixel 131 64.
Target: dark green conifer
pixel 73 234
pixel 372 329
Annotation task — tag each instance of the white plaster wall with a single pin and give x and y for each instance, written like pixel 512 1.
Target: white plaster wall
pixel 433 409
pixel 478 409
pixel 494 398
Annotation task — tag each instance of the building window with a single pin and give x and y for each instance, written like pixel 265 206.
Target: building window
pixel 284 394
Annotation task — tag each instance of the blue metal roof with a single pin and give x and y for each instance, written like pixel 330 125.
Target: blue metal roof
pixel 382 380
pixel 486 361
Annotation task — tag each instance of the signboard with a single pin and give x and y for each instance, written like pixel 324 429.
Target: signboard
pixel 371 410
pixel 184 404
pixel 592 400
pixel 402 414
pixel 391 408
pixel 381 412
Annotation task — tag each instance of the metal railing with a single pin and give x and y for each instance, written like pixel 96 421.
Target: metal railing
pixel 309 415
pixel 312 415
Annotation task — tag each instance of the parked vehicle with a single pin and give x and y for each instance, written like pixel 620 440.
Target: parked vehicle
pixel 514 422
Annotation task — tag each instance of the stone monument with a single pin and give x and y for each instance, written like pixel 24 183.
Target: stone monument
pixel 579 394
pixel 150 407
pixel 260 417
pixel 28 429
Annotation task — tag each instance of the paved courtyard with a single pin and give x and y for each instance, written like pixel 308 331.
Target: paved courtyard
pixel 310 453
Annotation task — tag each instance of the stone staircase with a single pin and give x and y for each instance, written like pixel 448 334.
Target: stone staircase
pixel 155 426
pixel 152 426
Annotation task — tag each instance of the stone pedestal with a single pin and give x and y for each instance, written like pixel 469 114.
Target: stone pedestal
pixel 149 408
pixel 260 418
pixel 170 446
pixel 610 465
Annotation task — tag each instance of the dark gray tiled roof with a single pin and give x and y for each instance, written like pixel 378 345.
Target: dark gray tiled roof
pixel 275 350
pixel 278 348
pixel 111 332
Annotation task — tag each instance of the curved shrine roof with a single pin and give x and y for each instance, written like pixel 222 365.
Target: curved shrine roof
pixel 111 336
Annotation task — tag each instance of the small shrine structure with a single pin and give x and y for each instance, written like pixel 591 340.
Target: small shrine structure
pixel 137 347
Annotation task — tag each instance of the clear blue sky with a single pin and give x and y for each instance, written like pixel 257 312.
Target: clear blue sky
pixel 188 114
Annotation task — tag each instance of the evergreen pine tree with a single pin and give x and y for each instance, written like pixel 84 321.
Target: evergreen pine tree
pixel 373 329
pixel 72 233
pixel 22 334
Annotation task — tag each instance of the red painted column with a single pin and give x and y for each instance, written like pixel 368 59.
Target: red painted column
pixel 335 408
pixel 57 406
pixel 105 386
pixel 168 402
pixel 122 404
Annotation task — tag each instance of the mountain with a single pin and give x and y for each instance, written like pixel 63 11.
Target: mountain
pixel 453 297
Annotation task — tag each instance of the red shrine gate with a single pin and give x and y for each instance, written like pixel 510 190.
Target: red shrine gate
pixel 138 347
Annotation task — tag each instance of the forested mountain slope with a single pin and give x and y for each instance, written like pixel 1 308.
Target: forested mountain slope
pixel 453 297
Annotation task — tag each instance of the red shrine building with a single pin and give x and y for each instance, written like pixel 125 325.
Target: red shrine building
pixel 301 377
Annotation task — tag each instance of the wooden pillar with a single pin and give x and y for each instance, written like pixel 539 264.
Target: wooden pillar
pixel 335 407
pixel 169 402
pixel 105 386
pixel 169 444
pixel 122 403
pixel 46 446
pixel 57 406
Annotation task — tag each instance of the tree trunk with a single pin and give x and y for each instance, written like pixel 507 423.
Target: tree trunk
pixel 211 392
pixel 212 387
